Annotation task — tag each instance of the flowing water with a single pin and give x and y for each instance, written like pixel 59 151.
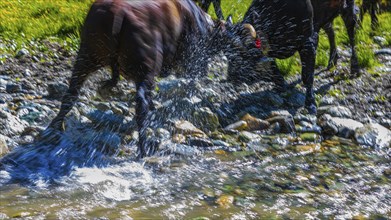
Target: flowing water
pixel 272 179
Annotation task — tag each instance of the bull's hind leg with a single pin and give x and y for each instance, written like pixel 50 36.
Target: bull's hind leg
pixel 307 55
pixel 151 67
pixel 333 59
pixel 83 67
pixel 111 83
pixel 350 20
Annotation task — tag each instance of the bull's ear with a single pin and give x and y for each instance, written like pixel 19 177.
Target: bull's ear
pixel 229 20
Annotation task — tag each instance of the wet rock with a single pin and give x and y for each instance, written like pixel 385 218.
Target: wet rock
pixel 341 127
pixel 103 106
pixel 11 125
pixel 238 126
pixel 297 99
pixel 373 135
pixel 311 119
pixel 3 85
pixel 4 98
pixel 187 128
pixel 13 88
pixel 335 111
pixel 310 137
pixel 205 118
pixel 3 146
pixel 170 86
pixel 199 142
pixel 384 51
pixel 56 90
pixel 308 148
pixel 180 149
pixel 385 122
pixel 246 136
pixel 327 100
pixel 225 201
pixel 280 113
pixel 380 40
pixel 21 53
pixel 254 124
pixel 286 124
pixel 308 128
pixel 179 138
pixel 163 133
pixel 220 143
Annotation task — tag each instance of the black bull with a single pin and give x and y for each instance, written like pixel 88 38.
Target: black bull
pixel 139 40
pixel 293 25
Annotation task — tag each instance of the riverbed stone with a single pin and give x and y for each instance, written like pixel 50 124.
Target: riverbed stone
pixel 199 142
pixel 238 126
pixel 374 135
pixel 286 124
pixel 186 128
pixel 205 118
pixel 3 145
pixel 13 88
pixel 254 124
pixel 335 111
pixel 11 125
pixel 342 127
pixel 247 136
pixel 56 90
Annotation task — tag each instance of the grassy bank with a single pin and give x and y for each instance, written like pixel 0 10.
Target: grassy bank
pixel 22 22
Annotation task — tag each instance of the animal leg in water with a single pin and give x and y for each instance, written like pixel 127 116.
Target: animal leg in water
pixel 83 67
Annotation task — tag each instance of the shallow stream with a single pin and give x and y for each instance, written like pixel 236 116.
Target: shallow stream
pixel 335 179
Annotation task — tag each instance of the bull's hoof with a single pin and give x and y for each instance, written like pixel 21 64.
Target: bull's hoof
pixel 107 88
pixel 311 109
pixel 50 136
pixel 56 126
pixel 149 150
pixel 355 73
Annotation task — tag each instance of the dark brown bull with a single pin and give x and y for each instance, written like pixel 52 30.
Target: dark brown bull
pixel 139 39
pixel 293 25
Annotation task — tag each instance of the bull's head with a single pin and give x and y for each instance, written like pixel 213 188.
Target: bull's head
pixel 242 46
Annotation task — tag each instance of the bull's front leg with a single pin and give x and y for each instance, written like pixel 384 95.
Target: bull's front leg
pixel 350 20
pixel 217 7
pixel 83 67
pixel 307 55
pixel 142 109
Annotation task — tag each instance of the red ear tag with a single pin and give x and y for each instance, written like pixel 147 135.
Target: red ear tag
pixel 258 43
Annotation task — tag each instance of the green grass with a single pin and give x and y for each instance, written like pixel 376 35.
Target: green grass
pixel 23 22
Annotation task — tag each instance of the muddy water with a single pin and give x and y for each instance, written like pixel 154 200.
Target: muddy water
pixel 335 179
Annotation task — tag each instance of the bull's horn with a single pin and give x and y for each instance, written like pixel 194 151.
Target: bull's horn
pixel 251 29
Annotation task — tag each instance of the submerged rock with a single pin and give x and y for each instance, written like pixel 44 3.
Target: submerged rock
pixel 373 135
